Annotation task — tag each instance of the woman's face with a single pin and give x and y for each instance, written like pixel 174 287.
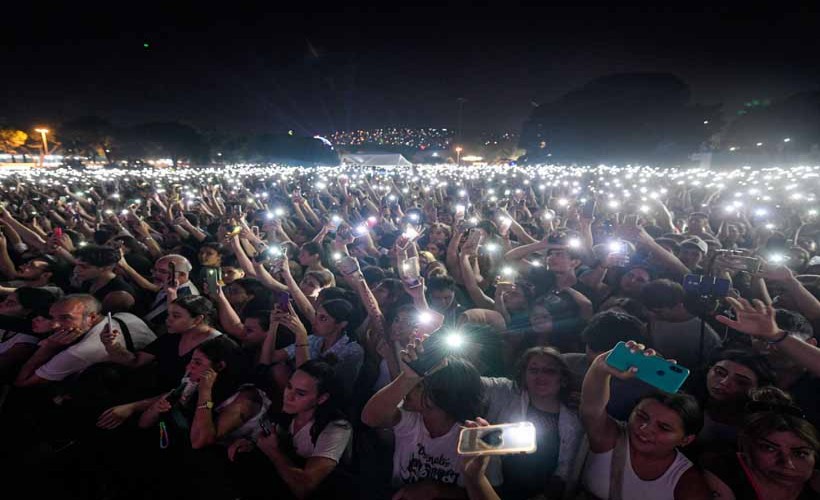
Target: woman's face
pixel 633 281
pixel 237 296
pixel 310 286
pixel 209 257
pixel 305 258
pixel 180 320
pixel 197 366
pixel 301 394
pixel 437 235
pixel 543 377
pixel 655 429
pixel 254 333
pixel 515 300
pixel 728 381
pixel 324 324
pixel 10 306
pixel 783 458
pixel 382 296
pixel 403 327
pixel 540 320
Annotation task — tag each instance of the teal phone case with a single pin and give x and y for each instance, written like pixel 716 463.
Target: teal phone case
pixel 653 370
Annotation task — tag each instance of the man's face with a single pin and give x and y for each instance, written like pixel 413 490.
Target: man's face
pixel 697 224
pixel 441 300
pixel 231 274
pixel 87 272
pixel 161 273
pixel 690 256
pixel 559 261
pixel 33 269
pixel 71 315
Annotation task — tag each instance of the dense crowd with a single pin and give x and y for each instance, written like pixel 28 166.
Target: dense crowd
pixel 416 138
pixel 252 332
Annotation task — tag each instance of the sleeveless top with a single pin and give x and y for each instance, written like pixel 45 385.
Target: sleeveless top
pixel 598 470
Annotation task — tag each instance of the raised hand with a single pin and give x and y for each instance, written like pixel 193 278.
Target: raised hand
pixel 753 318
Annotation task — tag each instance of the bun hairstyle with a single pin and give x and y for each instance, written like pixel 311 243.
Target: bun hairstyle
pixel 772 410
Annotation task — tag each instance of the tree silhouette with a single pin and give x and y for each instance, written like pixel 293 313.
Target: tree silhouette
pixel 635 117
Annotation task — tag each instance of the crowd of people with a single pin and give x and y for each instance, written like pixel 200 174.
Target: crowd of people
pixel 252 332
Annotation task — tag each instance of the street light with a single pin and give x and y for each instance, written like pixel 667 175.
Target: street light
pixel 43 132
pixel 459 149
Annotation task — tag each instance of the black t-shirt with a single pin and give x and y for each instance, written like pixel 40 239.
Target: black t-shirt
pixel 805 392
pixel 170 366
pixel 115 285
pixel 140 264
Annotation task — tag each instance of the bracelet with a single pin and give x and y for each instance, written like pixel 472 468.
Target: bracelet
pixel 780 339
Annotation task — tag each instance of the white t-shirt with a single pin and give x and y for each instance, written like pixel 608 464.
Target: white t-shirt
pixel 90 350
pixel 331 442
pixel 418 456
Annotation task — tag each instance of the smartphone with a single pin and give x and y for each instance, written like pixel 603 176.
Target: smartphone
pixel 213 277
pixel 282 301
pixel 653 370
pixel 410 272
pixel 588 210
pixel 236 230
pixel 631 220
pixel 172 273
pixel 110 326
pixel 264 426
pixel 436 347
pixel 504 439
pixel 741 263
pixel 58 232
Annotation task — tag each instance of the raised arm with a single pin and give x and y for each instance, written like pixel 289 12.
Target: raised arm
pixel 806 303
pixel 758 320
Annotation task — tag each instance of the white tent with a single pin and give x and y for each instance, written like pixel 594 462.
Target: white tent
pixel 376 160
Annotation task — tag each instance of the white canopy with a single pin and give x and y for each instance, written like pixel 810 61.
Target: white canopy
pixel 376 160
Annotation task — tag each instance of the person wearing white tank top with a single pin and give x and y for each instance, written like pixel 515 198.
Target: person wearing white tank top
pixel 639 459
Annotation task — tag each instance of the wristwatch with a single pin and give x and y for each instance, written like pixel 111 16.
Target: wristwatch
pixel 206 405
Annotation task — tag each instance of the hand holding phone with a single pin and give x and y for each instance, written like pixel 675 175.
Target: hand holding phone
pixel 654 370
pixel 430 355
pixel 504 439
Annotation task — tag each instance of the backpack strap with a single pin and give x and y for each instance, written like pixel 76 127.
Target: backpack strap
pixel 126 333
pixel 616 471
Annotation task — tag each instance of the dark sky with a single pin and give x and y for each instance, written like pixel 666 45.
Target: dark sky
pixel 401 63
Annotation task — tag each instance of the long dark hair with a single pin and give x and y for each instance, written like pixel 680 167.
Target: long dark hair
pixel 224 350
pixel 456 389
pixel 197 305
pixel 329 411
pixel 342 310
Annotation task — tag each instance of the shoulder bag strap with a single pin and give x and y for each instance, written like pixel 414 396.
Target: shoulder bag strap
pixel 616 472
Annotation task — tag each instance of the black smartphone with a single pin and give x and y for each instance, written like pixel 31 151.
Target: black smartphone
pixel 264 426
pixel 436 347
pixel 172 273
pixel 282 301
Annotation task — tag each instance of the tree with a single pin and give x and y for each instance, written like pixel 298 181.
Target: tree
pixel 12 140
pixel 173 140
pixel 623 118
pixel 796 118
pixel 89 136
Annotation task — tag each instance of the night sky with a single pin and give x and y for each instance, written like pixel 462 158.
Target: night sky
pixel 397 64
